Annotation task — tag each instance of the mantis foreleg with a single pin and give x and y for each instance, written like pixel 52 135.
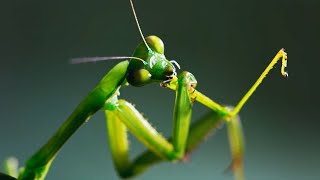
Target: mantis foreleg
pixel 120 110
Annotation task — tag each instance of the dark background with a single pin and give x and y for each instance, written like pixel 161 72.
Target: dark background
pixel 225 44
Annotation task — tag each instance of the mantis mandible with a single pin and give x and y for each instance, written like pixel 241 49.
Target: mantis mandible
pixel 148 64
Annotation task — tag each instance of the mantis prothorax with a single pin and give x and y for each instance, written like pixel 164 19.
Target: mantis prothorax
pixel 148 64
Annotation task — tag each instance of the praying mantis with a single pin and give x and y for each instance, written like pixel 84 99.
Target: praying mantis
pixel 147 65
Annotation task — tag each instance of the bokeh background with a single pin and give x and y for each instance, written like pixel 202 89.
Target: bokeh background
pixel 225 44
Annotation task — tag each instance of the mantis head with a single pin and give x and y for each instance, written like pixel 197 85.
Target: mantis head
pixel 154 68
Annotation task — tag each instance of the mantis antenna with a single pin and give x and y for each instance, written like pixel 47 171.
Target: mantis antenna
pixel 95 59
pixel 135 17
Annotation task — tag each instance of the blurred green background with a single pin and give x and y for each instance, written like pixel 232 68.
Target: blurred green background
pixel 225 44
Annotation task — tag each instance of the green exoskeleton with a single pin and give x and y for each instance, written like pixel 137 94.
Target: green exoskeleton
pixel 148 64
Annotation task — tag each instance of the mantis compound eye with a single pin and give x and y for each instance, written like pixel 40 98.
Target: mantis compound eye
pixel 155 43
pixel 139 77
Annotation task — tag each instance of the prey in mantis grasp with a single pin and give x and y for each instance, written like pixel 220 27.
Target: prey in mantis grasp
pixel 147 65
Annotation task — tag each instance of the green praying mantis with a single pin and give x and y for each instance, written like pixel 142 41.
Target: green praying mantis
pixel 148 64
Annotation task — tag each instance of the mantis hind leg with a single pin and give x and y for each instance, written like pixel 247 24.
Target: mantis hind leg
pixel 236 141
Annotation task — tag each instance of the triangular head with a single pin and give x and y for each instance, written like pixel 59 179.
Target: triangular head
pixel 154 68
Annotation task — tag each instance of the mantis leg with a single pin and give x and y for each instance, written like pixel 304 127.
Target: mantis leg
pixel 122 115
pixel 38 165
pixel 231 116
pixel 117 132
pixel 236 141
pixel 199 130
